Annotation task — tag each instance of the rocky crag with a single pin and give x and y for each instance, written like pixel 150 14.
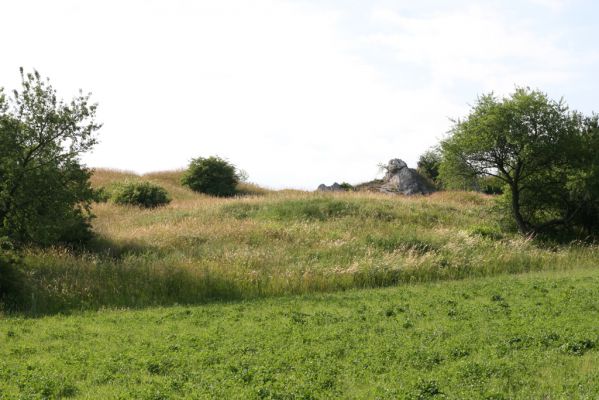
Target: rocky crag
pixel 400 179
pixel 335 187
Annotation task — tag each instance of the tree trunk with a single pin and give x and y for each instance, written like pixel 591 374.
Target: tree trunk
pixel 522 224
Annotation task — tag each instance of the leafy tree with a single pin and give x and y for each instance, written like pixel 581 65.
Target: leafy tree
pixel 429 164
pixel 212 175
pixel 455 174
pixel 490 185
pixel 530 143
pixel 583 178
pixel 44 189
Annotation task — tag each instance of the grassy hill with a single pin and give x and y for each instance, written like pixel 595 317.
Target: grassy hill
pixel 280 295
pixel 272 243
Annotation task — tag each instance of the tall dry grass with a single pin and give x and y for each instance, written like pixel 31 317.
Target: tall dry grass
pixel 200 248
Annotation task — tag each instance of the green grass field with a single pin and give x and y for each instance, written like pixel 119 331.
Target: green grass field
pixel 530 336
pixel 297 295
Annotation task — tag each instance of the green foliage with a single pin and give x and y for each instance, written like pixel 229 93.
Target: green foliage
pixel 455 174
pixel 429 164
pixel 491 185
pixel 426 390
pixel 582 184
pixel 487 231
pixel 534 146
pixel 11 282
pixel 143 194
pixel 212 175
pixel 45 192
pixel 101 195
pixel 347 187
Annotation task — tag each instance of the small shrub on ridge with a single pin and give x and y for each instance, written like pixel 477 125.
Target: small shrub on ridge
pixel 143 194
pixel 212 175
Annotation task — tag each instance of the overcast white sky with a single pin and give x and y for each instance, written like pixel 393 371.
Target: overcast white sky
pixel 296 92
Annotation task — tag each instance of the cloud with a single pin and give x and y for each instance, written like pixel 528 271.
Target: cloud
pixel 553 5
pixel 474 45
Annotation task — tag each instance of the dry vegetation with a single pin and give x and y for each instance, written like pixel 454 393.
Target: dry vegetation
pixel 200 248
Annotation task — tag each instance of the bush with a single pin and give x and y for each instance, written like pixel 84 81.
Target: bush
pixel 213 175
pixel 101 195
pixel 143 194
pixel 348 187
pixel 429 164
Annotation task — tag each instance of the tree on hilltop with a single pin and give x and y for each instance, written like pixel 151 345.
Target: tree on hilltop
pixel 536 147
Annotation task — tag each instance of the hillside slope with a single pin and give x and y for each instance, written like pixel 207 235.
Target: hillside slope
pixel 200 248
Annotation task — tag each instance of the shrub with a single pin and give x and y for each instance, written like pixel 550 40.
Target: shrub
pixel 429 164
pixel 348 187
pixel 212 175
pixel 143 194
pixel 101 195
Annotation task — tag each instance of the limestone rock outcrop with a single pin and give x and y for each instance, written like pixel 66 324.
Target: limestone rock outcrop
pixel 335 187
pixel 400 179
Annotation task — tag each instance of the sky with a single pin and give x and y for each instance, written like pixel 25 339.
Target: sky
pixel 294 92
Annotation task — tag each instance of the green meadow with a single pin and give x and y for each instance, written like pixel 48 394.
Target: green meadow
pixel 527 336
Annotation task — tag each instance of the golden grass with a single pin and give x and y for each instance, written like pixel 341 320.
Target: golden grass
pixel 200 247
pixel 106 176
pixel 170 180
